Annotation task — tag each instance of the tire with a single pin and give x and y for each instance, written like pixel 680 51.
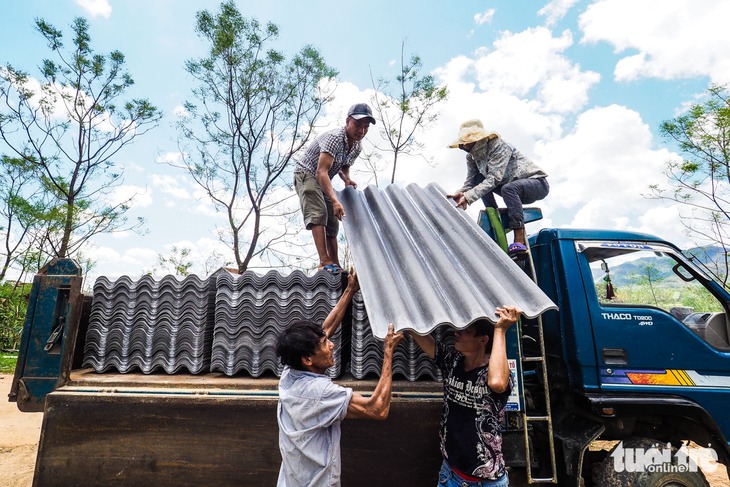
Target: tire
pixel 674 479
pixel 607 475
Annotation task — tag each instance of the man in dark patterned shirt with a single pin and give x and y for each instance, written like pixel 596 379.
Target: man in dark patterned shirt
pixel 477 384
pixel 331 153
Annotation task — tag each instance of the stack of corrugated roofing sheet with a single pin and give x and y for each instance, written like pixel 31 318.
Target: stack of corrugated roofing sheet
pixel 408 359
pixel 149 324
pixel 251 310
pixel 423 262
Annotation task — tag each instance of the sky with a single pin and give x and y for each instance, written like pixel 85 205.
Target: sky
pixel 580 87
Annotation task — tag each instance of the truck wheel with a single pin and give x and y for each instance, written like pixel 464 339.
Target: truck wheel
pixel 611 473
pixel 675 479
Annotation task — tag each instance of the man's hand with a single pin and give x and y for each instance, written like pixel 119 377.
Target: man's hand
pixel 352 281
pixel 345 176
pixel 338 210
pixel 460 200
pixel 508 316
pixel 392 339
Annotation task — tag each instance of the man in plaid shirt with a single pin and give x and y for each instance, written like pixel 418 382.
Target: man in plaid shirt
pixel 331 153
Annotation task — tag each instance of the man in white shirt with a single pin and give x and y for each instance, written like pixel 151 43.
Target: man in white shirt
pixel 311 406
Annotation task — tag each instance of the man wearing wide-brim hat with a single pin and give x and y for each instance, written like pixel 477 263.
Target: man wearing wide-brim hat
pixel 495 166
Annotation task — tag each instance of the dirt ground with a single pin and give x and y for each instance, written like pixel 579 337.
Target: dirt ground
pixel 19 435
pixel 20 432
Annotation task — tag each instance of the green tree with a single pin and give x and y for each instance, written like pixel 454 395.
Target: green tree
pixel 13 304
pixel 648 276
pixel 69 125
pixel 253 111
pixel 177 261
pixel 701 181
pixel 404 106
pixel 27 212
pixel 18 218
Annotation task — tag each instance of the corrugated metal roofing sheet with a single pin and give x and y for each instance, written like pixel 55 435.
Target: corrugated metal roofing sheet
pixel 151 324
pixel 422 262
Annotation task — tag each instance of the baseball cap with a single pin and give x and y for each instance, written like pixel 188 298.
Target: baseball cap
pixel 361 110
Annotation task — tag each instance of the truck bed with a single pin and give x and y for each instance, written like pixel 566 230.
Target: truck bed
pixel 219 383
pixel 211 429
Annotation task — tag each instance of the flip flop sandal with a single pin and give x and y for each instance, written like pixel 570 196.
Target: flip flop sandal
pixel 517 249
pixel 333 269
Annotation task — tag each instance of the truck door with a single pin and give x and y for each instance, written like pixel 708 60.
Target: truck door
pixel 49 334
pixel 660 324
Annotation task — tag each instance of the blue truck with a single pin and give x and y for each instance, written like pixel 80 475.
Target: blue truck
pixel 640 362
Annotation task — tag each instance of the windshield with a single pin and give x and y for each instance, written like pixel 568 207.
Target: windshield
pixel 655 276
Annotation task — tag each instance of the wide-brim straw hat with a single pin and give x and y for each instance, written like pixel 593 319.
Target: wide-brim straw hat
pixel 471 131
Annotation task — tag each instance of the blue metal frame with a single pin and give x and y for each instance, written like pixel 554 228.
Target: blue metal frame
pixel 45 343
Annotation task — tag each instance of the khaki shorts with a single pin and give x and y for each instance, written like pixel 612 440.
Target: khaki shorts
pixel 316 207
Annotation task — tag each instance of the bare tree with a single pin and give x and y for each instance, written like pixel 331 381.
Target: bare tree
pixel 69 126
pixel 253 111
pixel 701 181
pixel 404 106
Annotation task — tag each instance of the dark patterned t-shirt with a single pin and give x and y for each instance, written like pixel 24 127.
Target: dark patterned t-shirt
pixel 471 421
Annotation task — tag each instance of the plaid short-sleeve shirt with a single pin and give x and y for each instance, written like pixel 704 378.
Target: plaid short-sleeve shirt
pixel 334 143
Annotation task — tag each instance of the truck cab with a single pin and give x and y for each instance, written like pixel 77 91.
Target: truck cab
pixel 645 353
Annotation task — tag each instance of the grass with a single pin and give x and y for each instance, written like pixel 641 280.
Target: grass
pixel 7 363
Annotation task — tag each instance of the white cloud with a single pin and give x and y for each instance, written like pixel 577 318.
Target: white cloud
pixel 172 186
pixel 454 72
pixel 112 263
pixel 138 196
pixel 179 111
pixel 665 39
pixel 534 60
pixel 138 256
pixel 96 7
pixel 524 88
pixel 101 254
pixel 662 221
pixel 484 17
pixel 555 10
pixel 600 172
pixel 607 144
pixel 173 158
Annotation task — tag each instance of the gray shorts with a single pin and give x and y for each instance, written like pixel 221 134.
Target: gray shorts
pixel 316 207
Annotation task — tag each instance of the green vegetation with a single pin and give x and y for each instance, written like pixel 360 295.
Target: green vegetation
pixel 656 280
pixel 662 296
pixel 7 363
pixel 699 181
pixel 13 304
